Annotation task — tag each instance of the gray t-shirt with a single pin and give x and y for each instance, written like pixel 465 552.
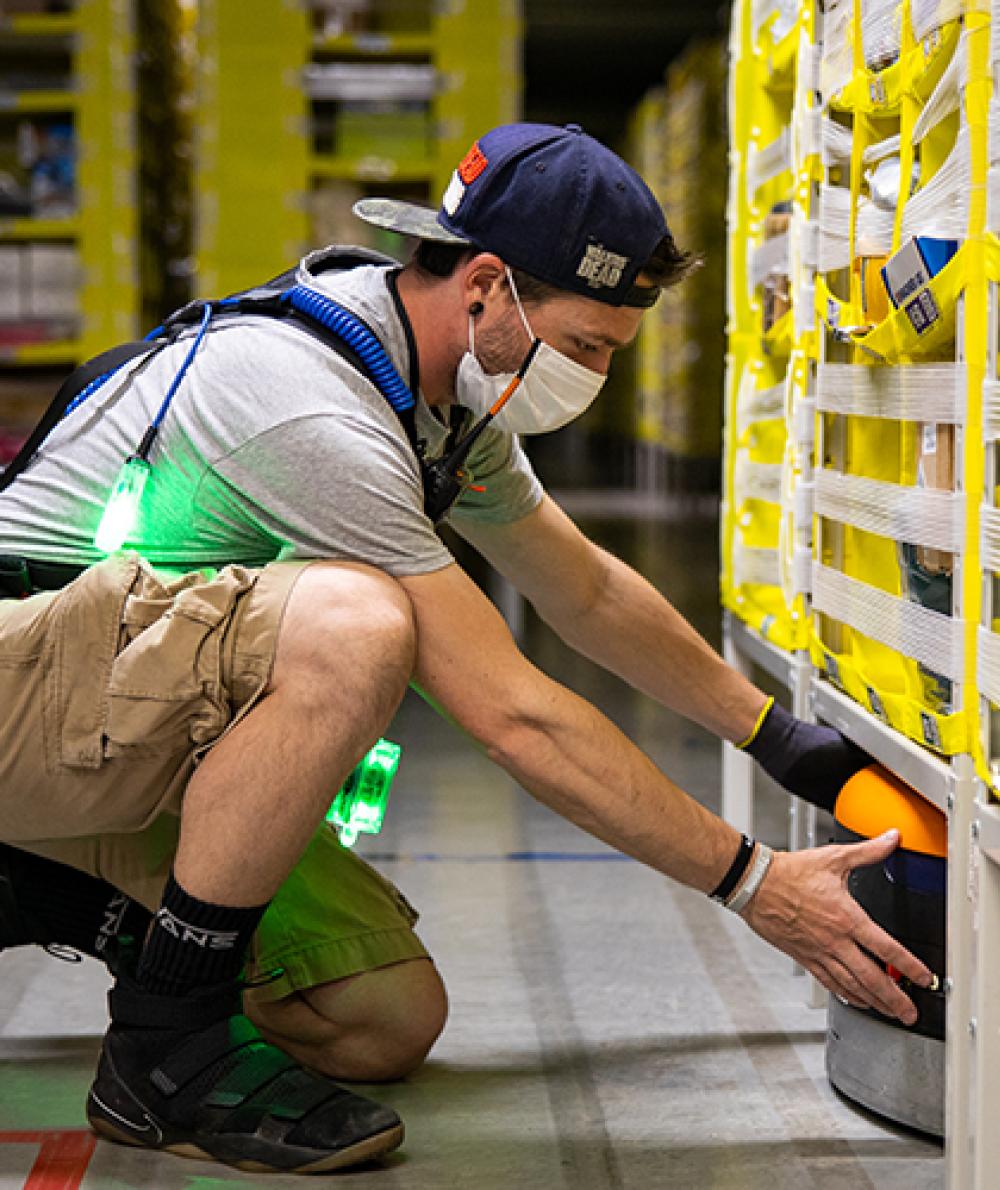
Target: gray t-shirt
pixel 273 447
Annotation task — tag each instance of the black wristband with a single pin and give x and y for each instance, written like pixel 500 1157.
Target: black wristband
pixel 736 870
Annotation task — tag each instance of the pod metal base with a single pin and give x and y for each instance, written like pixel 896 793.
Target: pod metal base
pixel 889 1070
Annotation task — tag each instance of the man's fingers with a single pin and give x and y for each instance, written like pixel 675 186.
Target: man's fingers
pixel 870 851
pixel 823 973
pixel 836 979
pixel 867 982
pixel 875 940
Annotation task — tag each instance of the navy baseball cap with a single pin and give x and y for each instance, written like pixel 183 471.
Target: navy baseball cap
pixel 551 201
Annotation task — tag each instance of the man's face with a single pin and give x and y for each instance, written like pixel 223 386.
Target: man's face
pixel 588 332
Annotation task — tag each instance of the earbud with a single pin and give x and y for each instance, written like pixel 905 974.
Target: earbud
pixel 476 309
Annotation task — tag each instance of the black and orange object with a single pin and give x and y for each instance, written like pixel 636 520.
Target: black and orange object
pixel 890 1068
pixel 905 895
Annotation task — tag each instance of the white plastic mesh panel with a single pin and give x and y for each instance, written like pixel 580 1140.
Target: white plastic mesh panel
pixel 928 15
pixel 809 133
pixel 993 129
pixel 834 228
pixel 766 163
pixel 945 97
pixel 927 636
pixel 881 149
pixel 758 404
pixel 770 257
pixel 836 143
pixel 991 409
pixel 880 30
pixel 941 208
pixel 924 392
pixel 836 65
pixel 874 229
pixel 757 481
pixel 988 664
pixel 993 198
pixel 807 233
pixel 989 528
pixel 786 15
pixel 756 566
pixel 920 516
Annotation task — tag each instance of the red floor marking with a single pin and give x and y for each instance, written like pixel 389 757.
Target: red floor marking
pixel 62 1159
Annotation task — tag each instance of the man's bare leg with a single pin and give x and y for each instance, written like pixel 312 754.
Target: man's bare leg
pixel 372 1027
pixel 344 657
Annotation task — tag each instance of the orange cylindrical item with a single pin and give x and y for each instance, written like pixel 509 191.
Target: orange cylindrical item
pixel 874 801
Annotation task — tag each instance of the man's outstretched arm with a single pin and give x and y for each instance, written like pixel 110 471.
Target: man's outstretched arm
pixel 608 612
pixel 566 753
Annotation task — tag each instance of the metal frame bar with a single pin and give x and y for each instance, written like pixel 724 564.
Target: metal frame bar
pixel 927 773
pixel 982 1028
pixel 744 649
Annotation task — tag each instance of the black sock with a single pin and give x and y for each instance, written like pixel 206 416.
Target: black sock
pixel 46 902
pixel 194 943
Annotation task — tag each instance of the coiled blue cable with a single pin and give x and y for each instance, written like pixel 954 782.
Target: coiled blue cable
pixel 355 334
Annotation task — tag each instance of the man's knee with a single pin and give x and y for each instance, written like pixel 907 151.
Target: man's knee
pixel 373 1027
pixel 349 619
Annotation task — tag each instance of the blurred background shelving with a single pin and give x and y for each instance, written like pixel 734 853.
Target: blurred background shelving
pixel 151 150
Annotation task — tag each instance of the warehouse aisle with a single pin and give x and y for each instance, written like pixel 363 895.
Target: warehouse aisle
pixel 608 1030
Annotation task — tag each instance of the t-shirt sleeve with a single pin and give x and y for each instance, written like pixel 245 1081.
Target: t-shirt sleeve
pixel 511 489
pixel 333 485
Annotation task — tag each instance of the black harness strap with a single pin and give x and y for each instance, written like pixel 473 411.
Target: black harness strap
pixel 71 387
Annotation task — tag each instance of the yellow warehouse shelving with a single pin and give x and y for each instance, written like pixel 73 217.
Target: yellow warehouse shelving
pixel 281 153
pixel 767 459
pixel 678 146
pixel 893 134
pixel 94 281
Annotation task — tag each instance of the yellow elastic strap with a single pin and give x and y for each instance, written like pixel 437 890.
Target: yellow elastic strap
pixel 757 726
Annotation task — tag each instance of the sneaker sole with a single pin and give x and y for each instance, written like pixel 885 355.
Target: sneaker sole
pixel 365 1150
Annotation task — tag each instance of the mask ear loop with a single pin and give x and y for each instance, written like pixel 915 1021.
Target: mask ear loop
pixel 517 302
pixel 477 308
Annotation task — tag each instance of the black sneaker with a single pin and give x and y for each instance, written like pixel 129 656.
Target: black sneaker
pixel 191 1075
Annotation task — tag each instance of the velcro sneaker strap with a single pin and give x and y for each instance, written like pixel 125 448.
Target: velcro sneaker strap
pixel 193 1057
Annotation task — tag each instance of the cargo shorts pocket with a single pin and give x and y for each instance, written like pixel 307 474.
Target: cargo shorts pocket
pixel 141 669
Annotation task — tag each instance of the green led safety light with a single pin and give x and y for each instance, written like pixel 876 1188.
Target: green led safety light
pixel 121 512
pixel 360 806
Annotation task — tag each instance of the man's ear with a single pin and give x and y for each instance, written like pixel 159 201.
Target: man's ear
pixel 484 276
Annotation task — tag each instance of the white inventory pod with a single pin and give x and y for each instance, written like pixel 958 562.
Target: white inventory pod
pixel 892 1069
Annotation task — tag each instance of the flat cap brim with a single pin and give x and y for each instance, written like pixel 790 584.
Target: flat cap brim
pixel 405 218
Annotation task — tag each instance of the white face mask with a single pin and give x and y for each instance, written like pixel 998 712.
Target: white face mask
pixel 553 391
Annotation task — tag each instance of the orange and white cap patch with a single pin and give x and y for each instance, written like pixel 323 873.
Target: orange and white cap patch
pixel 472 164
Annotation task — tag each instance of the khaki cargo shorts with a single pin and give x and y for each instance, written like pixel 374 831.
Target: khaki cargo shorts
pixel 111 692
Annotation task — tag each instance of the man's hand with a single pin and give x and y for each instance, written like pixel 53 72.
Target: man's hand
pixel 807 759
pixel 803 908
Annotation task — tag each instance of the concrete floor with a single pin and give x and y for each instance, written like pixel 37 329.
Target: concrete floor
pixel 608 1030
